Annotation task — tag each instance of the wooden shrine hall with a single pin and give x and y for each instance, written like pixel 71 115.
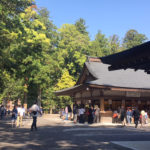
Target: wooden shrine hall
pixel 109 89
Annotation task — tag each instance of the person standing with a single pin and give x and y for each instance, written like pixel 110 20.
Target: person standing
pixel 14 116
pixel 90 115
pixel 75 112
pixel 22 115
pixel 122 115
pixel 2 111
pixel 66 112
pixel 115 117
pixel 97 114
pixel 136 115
pixel 81 114
pixel 142 117
pixel 18 115
pixel 129 116
pixel 34 111
pixel 69 112
pixel 146 117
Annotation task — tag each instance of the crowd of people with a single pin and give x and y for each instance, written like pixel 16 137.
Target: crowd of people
pixel 130 115
pixel 81 114
pixel 18 115
pixel 91 114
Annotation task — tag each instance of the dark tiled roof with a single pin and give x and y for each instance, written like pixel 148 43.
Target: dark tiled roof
pixel 67 89
pixel 136 58
pixel 119 78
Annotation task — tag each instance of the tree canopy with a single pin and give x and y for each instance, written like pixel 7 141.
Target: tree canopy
pixel 133 38
pixel 38 58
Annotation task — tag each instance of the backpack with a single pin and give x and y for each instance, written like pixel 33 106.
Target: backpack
pixel 75 110
pixel 34 112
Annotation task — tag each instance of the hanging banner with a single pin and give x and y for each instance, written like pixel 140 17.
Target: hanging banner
pixel 133 94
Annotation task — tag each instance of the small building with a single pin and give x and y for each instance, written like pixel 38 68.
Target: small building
pixel 109 89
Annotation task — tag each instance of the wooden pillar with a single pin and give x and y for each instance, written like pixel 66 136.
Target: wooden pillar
pixel 102 104
pixel 83 101
pixel 123 103
pixel 133 102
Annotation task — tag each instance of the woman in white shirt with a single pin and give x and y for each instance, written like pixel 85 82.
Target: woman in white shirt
pixel 81 114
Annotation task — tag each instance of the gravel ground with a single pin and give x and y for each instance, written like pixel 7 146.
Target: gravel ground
pixel 54 133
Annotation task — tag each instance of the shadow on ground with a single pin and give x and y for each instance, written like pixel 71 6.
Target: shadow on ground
pixel 56 136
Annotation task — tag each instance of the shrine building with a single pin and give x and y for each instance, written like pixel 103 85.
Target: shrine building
pixel 109 89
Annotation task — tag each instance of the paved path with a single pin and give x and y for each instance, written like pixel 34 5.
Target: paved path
pixel 55 134
pixel 134 145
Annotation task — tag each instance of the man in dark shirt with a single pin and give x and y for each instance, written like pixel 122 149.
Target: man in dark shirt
pixel 136 115
pixel 122 115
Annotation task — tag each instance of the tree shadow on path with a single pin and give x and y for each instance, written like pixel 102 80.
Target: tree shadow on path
pixel 55 137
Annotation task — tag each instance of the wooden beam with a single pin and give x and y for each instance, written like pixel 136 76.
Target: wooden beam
pixel 129 89
pixel 102 104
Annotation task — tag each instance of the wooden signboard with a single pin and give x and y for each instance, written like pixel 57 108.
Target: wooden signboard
pixel 133 94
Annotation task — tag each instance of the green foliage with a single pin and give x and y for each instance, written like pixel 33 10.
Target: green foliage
pixel 99 47
pixel 49 99
pixel 72 49
pixel 114 44
pixel 65 81
pixel 133 38
pixel 81 26
pixel 37 59
pixel 13 87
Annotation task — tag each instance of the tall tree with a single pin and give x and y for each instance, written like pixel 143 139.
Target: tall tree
pixel 51 29
pixel 133 38
pixel 99 47
pixel 10 33
pixel 35 64
pixel 81 26
pixel 72 49
pixel 114 44
pixel 65 81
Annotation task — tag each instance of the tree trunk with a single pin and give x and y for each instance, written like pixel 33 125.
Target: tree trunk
pixel 39 97
pixel 25 100
pixel 51 110
pixel 25 96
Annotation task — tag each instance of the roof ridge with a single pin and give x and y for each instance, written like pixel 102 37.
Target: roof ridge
pixel 93 59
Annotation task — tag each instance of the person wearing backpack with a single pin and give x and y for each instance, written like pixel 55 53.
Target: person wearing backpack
pixel 69 112
pixel 136 115
pixel 14 116
pixel 2 112
pixel 115 117
pixel 34 110
pixel 75 112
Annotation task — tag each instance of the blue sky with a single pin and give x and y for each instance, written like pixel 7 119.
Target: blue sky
pixel 109 16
